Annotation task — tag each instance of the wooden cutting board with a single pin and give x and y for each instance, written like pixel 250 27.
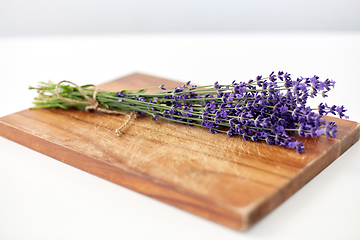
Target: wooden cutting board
pixel 226 180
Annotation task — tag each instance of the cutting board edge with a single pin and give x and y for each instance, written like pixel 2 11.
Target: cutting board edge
pixel 254 213
pixel 352 138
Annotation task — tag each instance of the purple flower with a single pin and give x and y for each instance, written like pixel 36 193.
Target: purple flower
pixel 330 130
pixel 300 147
pixel 340 111
pixel 283 109
pixel 329 83
pixel 162 87
pixel 217 86
pixel 120 94
pixel 270 140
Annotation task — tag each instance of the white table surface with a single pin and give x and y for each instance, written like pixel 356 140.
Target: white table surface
pixel 41 198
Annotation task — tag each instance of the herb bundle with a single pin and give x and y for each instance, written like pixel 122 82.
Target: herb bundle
pixel 270 109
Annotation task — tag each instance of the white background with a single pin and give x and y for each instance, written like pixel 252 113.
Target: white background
pixel 43 17
pixel 41 198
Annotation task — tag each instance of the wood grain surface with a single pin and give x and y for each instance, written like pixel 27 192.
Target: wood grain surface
pixel 227 180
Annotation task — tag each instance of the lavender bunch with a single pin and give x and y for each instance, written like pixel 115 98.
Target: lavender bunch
pixel 271 109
